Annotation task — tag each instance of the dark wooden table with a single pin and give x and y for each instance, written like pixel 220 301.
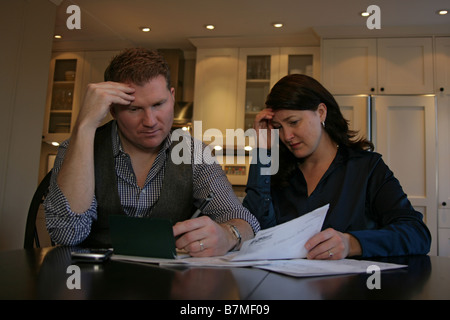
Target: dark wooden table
pixel 43 274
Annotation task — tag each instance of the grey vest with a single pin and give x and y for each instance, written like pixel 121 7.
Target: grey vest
pixel 175 202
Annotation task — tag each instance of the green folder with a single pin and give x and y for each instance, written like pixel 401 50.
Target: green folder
pixel 142 237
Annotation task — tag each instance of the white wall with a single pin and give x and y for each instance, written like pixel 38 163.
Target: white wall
pixel 26 29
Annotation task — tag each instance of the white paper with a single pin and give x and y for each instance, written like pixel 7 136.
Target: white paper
pixel 311 268
pixel 284 241
pixel 221 261
pixel 292 267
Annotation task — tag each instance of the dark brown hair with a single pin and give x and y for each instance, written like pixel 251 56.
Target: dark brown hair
pixel 301 92
pixel 137 65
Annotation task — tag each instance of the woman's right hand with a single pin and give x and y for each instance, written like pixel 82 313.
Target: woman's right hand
pixel 262 121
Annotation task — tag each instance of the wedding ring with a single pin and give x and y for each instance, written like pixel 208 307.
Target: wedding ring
pixel 201 246
pixel 330 254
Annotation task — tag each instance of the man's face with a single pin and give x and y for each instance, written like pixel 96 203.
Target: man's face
pixel 146 122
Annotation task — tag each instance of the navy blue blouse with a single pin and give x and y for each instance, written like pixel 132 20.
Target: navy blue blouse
pixel 365 198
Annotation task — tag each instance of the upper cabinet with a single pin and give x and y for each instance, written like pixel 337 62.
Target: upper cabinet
pixel 62 95
pixel 69 75
pixel 443 65
pixel 231 84
pixel 369 66
pixel 261 68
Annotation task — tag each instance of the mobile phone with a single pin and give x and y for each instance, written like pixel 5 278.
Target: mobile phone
pixel 91 255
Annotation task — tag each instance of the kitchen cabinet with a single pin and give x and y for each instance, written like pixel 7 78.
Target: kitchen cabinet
pixel 261 68
pixel 371 66
pixel 404 132
pixel 69 75
pixel 356 110
pixel 63 95
pixel 349 66
pixel 443 119
pixel 231 84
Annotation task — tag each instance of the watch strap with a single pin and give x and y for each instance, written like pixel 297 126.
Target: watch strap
pixel 235 231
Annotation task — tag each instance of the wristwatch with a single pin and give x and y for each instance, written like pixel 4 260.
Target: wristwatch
pixel 236 234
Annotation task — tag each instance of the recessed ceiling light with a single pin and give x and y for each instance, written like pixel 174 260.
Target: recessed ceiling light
pixel 57 36
pixel 442 12
pixel 210 27
pixel 277 25
pixel 145 29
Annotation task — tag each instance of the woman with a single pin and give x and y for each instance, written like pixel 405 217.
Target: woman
pixel 323 162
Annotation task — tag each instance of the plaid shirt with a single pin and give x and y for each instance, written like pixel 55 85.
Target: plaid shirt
pixel 69 228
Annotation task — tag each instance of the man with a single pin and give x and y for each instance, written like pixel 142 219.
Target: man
pixel 126 167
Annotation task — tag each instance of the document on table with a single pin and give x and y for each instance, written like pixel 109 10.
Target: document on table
pixel 187 260
pixel 284 241
pixel 312 268
pixel 279 249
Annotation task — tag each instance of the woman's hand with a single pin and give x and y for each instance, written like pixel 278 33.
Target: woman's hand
pixel 332 245
pixel 262 121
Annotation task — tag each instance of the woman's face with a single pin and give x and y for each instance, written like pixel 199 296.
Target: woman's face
pixel 300 130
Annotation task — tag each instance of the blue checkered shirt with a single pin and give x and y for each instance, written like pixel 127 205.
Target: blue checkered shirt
pixel 69 228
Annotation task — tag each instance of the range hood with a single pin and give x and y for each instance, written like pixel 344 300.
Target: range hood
pixel 182 109
pixel 182 113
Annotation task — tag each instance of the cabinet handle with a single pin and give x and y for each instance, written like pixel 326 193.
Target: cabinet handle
pixel 444 204
pixel 372 89
pixel 441 89
pixel 382 89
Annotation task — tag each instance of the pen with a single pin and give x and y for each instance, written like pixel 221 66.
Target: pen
pixel 203 205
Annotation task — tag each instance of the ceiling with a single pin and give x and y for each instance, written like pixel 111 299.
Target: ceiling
pixel 113 24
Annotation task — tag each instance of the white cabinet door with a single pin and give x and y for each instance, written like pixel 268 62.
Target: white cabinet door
pixel 387 66
pixel 443 93
pixel 405 66
pixel 405 134
pixel 349 66
pixel 355 109
pixel 443 120
pixel 443 65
